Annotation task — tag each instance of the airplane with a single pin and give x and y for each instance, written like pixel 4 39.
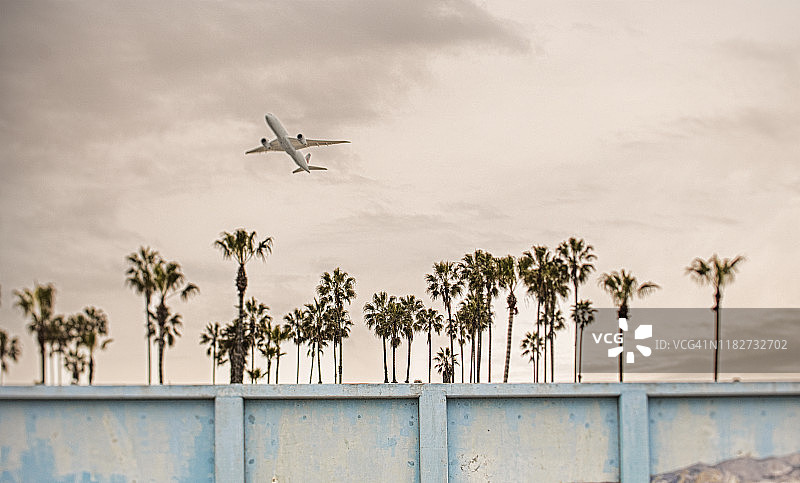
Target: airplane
pixel 291 145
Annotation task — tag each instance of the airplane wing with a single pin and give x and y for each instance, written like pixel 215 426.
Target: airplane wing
pixel 274 145
pixel 310 143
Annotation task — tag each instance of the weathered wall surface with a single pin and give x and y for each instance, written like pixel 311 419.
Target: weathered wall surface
pixel 405 433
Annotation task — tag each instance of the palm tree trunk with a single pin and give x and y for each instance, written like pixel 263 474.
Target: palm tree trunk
pixel 42 352
pixel 161 360
pixel 319 363
pixel 394 359
pixel 461 349
pixel 489 313
pixel 149 337
pixel 277 364
pixel 580 357
pixel 508 340
pixel 450 327
pixel 311 374
pixel 408 366
pixel 341 351
pixel 575 351
pixel 539 333
pixel 214 364
pixel 385 364
pixel 238 350
pixel 91 366
pixel 478 357
pixel 297 379
pixel 430 354
pixel 717 299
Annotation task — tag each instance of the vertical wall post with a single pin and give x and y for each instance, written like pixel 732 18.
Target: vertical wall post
pixel 228 438
pixel 432 436
pixel 634 438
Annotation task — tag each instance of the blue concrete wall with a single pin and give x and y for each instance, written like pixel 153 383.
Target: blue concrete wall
pixel 376 432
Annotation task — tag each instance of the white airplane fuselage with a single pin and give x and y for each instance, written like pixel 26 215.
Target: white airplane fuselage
pixel 286 144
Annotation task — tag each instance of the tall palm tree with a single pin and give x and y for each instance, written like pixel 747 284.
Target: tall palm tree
pixel 241 246
pixel 583 315
pixel 38 304
pixel 508 279
pixel 531 346
pixel 430 321
pixel 259 323
pixel 9 350
pixel 445 364
pixel 716 273
pixel 445 284
pixel 622 286
pixel 376 315
pixel 472 320
pixel 211 336
pixel 169 281
pixel 579 257
pixel 294 321
pixel 472 275
pixel 339 288
pixel 489 268
pixel 140 279
pixel 411 307
pixel 533 266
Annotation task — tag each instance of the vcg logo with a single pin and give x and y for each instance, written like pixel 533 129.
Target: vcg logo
pixel 643 331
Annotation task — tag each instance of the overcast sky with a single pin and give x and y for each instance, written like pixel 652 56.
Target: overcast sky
pixel 658 132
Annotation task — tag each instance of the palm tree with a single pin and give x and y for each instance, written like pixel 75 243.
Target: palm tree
pixel 316 317
pixel 411 307
pixel 716 273
pixel 339 289
pixel 376 315
pixel 445 364
pixel 211 337
pixel 445 284
pixel 531 346
pixel 38 305
pixel 472 320
pixel 92 323
pixel 9 349
pixel 472 275
pixel 394 324
pixel 583 315
pixel 169 281
pixel 578 257
pixel 259 323
pixel 241 246
pixel 489 267
pixel 279 333
pixel 430 321
pixel 533 266
pixel 294 321
pixel 508 278
pixel 622 286
pixel 140 279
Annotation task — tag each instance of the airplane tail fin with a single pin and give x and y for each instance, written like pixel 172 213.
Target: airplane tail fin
pixel 317 168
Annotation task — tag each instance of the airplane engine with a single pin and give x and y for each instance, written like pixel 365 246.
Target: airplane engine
pixel 264 142
pixel 302 140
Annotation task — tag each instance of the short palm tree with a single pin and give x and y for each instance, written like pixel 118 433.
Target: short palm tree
pixel 140 279
pixel 339 288
pixel 317 324
pixel 445 284
pixel 716 273
pixel 259 322
pixel 394 325
pixel 279 334
pixel 579 257
pixel 376 316
pixel 241 246
pixel 169 281
pixel 10 349
pixel 38 304
pixel 583 315
pixel 622 286
pixel 211 336
pixel 411 307
pixel 445 364
pixel 531 346
pixel 430 321
pixel 294 321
